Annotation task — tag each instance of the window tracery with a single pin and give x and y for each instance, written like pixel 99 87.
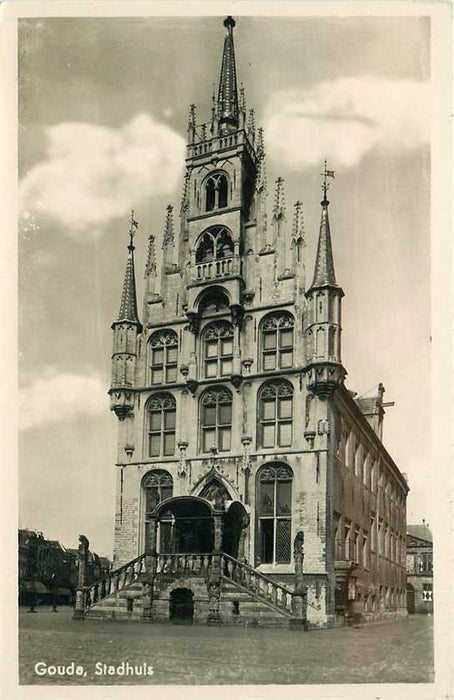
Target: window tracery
pixel 277 341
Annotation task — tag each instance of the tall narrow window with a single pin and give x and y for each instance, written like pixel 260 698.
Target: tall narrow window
pixel 216 191
pixel 161 425
pixel 276 414
pixel 158 485
pixel 210 194
pixel 274 511
pixel 331 341
pixel 218 349
pixel 164 357
pixel 277 341
pixel 216 419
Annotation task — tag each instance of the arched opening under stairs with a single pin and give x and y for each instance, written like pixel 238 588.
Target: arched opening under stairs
pixel 181 606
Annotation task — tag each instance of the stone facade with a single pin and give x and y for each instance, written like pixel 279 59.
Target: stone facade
pixel 231 388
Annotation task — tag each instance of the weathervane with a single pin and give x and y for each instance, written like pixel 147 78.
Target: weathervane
pixel 325 187
pixel 132 230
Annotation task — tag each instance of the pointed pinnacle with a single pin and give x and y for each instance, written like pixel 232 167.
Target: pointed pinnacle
pixel 192 116
pixel 169 234
pixel 184 195
pixel 242 98
pixel 298 221
pixel 150 266
pixel 251 120
pixel 279 198
pixel 260 143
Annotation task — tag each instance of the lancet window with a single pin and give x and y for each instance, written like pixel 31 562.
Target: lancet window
pixel 277 341
pixel 216 419
pixel 217 343
pixel 274 506
pixel 216 191
pixel 161 425
pixel 164 357
pixel 275 414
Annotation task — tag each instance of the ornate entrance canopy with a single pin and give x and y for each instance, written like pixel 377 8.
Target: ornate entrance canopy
pixel 200 525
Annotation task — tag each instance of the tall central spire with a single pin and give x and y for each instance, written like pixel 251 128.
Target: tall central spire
pixel 228 107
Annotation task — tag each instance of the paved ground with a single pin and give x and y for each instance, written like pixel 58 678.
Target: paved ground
pixel 388 652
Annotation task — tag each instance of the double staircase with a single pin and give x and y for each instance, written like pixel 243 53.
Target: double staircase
pixel 225 590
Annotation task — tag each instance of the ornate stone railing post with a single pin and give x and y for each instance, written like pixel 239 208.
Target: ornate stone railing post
pixel 79 610
pixel 299 597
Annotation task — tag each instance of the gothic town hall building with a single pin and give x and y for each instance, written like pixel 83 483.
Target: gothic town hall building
pixel 252 486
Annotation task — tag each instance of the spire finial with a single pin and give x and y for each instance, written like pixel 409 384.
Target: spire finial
pixel 325 186
pixel 229 22
pixel 133 226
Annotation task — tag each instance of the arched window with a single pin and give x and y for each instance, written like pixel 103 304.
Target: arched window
pixel 205 248
pixel 164 356
pixel 216 191
pixel 275 414
pixel 216 419
pixel 158 485
pixel 277 341
pixel 274 512
pixel 218 349
pixel 214 244
pixel 215 302
pixel 161 425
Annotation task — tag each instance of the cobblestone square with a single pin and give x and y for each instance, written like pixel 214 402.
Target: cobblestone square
pixel 385 652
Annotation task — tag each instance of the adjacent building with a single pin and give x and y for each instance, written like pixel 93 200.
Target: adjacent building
pixel 49 572
pixel 419 569
pixel 237 434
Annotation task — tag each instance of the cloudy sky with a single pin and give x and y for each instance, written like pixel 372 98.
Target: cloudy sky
pixel 103 107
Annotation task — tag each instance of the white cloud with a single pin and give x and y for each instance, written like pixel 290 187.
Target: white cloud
pixel 343 120
pixel 58 396
pixel 93 174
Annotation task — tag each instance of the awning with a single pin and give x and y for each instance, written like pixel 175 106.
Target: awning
pixel 33 587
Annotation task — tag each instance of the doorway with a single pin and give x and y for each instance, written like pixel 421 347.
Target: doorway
pixel 181 608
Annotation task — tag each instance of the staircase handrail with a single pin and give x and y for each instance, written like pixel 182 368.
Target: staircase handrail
pixel 276 584
pixel 114 572
pixel 258 573
pixel 96 587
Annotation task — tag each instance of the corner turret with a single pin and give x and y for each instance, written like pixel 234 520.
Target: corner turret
pixel 125 328
pixel 324 312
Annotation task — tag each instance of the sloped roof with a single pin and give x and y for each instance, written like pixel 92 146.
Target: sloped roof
pixel 422 532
